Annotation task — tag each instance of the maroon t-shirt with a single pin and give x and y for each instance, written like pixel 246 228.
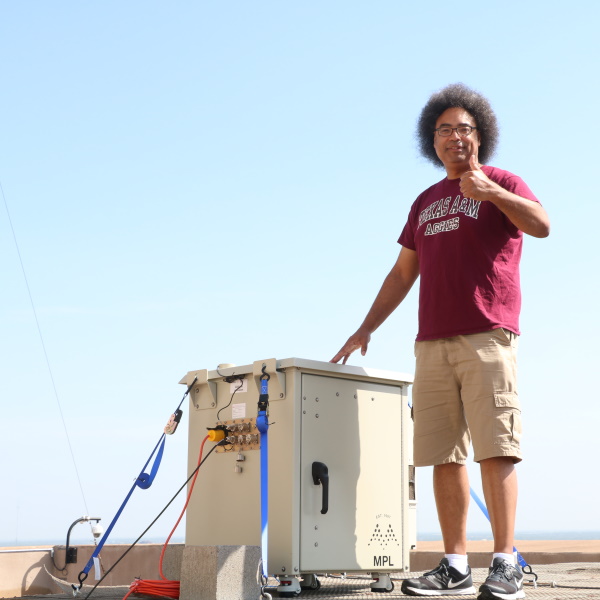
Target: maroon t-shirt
pixel 469 255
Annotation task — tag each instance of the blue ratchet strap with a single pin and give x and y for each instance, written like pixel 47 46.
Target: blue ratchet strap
pixel 522 562
pixel 143 481
pixel 262 423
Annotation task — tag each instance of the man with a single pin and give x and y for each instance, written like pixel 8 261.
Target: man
pixel 464 237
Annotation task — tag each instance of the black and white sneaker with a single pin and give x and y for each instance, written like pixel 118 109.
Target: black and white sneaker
pixel 504 582
pixel 444 580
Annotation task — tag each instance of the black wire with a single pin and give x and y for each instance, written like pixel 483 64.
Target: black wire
pixel 570 587
pixel 357 577
pixel 151 524
pixel 83 576
pixel 325 575
pixel 225 376
pixel 239 387
pixel 64 569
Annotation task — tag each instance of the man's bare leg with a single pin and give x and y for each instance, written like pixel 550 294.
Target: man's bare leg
pixel 500 488
pixel 451 490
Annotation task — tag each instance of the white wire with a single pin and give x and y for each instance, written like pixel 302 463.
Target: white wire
pixel 44 349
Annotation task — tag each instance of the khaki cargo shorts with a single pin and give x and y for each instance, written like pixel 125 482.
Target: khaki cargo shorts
pixel 465 391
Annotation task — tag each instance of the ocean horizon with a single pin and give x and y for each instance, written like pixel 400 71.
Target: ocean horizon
pixel 519 535
pixel 433 536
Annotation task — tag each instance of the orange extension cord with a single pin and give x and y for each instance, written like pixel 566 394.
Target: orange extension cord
pixel 163 587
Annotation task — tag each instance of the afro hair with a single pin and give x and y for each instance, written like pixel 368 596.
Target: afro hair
pixel 458 95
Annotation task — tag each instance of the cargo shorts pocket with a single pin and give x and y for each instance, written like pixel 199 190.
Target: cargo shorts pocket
pixel 507 418
pixel 504 337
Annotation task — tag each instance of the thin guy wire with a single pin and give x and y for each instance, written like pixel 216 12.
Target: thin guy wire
pixel 44 349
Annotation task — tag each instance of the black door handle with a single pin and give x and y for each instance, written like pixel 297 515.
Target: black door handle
pixel 320 474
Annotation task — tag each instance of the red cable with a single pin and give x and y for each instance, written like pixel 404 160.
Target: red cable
pixel 164 587
pixel 162 554
pixel 149 587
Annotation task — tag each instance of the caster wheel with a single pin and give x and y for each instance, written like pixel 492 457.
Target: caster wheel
pixel 314 586
pixel 288 594
pixel 384 590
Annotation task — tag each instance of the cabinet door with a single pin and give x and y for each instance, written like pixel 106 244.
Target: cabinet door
pixel 354 429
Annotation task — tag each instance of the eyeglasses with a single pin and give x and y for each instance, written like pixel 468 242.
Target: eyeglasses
pixel 464 130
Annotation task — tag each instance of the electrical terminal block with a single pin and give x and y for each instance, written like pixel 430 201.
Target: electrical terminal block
pixel 241 436
pixel 239 427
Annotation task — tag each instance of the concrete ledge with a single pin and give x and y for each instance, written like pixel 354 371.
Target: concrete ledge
pixel 535 552
pixel 24 570
pixel 220 573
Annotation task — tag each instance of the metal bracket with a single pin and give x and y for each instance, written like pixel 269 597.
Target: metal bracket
pixel 277 381
pixel 204 393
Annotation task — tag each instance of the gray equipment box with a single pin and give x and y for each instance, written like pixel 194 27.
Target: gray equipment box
pixel 354 421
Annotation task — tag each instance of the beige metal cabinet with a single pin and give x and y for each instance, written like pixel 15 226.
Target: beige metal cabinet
pixel 352 422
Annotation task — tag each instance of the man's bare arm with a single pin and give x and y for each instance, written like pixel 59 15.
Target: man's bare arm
pixel 394 289
pixel 530 217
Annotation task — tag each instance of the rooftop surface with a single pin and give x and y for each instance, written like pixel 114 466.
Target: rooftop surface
pixel 570 581
pixel 566 570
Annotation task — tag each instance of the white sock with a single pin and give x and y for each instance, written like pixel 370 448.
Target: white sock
pixel 459 562
pixel 509 558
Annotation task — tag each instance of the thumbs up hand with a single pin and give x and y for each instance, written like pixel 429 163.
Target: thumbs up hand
pixel 474 163
pixel 474 183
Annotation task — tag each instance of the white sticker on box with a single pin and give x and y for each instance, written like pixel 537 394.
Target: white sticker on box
pixel 238 411
pixel 238 386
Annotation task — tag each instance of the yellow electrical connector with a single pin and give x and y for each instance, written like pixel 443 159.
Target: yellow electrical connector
pixel 216 435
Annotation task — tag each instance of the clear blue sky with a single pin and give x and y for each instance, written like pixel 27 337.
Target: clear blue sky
pixel 192 183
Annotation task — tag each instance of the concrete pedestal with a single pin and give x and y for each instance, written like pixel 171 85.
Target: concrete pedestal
pixel 220 573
